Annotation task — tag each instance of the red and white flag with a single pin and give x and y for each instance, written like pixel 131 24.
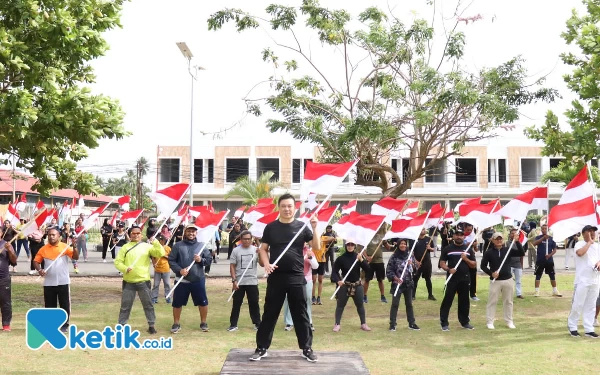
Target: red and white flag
pixel 413 207
pixel 340 226
pixel 256 212
pixel 66 209
pixel 519 206
pixel 389 207
pixel 40 205
pixel 435 216
pixel 481 215
pixel 324 216
pixel 131 216
pixel 35 224
pixel 362 228
pixel 52 214
pixel 207 225
pixel 167 199
pixel 239 212
pixel 90 220
pixel 576 208
pixel 468 201
pixel 196 211
pixel 124 202
pixel 12 215
pixel 323 178
pixel 22 203
pixel 113 220
pixel 263 201
pixel 73 204
pixel 407 228
pixel 181 217
pixel 449 217
pixel 350 207
pixel 522 237
pixel 258 228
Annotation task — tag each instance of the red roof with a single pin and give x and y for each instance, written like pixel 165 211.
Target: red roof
pixel 24 182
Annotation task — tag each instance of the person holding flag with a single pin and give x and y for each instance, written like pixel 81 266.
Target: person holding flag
pixel 397 274
pixel 193 281
pixel 423 250
pixel 133 261
pixel 287 277
pixel 7 258
pixel 107 231
pixel 457 262
pixel 516 261
pixel 501 281
pixel 56 271
pixel 546 248
pixel 162 271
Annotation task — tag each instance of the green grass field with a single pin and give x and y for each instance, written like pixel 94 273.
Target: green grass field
pixel 539 345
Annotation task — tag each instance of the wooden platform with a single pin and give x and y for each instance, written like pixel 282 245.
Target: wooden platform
pixel 290 362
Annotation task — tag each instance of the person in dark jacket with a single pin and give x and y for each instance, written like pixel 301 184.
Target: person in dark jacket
pixel 107 231
pixel 351 286
pixel 182 255
pixel 36 242
pixel 501 281
pixel 234 238
pixel 396 265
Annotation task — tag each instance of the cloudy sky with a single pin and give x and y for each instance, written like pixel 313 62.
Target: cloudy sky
pixel 145 71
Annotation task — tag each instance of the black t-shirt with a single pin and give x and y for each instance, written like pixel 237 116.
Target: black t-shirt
pixel 290 269
pixel 420 248
pixel 119 239
pixel 451 255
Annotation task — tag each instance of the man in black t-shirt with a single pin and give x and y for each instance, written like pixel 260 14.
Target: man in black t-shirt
pixel 423 248
pixel 460 281
pixel 286 278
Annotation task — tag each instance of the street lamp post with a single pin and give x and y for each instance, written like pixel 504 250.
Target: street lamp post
pixel 192 70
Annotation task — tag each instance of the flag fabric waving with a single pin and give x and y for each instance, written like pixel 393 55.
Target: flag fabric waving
pixel 407 228
pixel 350 207
pixel 239 212
pixel 258 228
pixel 113 220
pixel 340 226
pixel 198 210
pixel 167 199
pixel 90 220
pixel 435 216
pixel 361 228
pixel 481 215
pixel 323 178
pixel 389 207
pixel 40 205
pixel 411 208
pixel 519 206
pixel 131 216
pixel 324 216
pixel 22 203
pixel 256 212
pixel 35 224
pixel 12 215
pixel 124 202
pixel 207 225
pixel 467 201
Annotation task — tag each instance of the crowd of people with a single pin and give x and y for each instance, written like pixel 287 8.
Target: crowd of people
pixel 297 262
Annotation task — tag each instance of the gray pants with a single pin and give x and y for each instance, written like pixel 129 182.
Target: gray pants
pixel 342 299
pixel 5 301
pixel 128 297
pixel 166 279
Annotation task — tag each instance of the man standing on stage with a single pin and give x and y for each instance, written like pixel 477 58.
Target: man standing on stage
pixel 286 278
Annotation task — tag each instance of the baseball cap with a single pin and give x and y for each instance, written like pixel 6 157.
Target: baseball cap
pixel 496 235
pixel 589 227
pixel 191 226
pixel 459 231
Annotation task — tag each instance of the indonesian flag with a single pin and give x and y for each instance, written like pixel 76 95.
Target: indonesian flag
pixel 311 201
pixel 519 206
pixel 361 229
pixel 467 201
pixel 340 226
pixel 181 215
pixel 481 215
pixel 449 217
pixel 575 209
pixel 66 209
pixel 167 199
pixel 22 203
pixel 350 207
pixel 323 178
pixel 324 216
pixel 389 207
pixel 90 220
pixel 263 201
pixel 12 215
pixel 35 224
pixel 131 216
pixel 74 204
pixel 198 210
pixel 239 212
pixel 40 205
pixel 81 203
pixel 256 212
pixel 258 228
pixel 143 223
pixel 522 237
pixel 413 207
pixel 124 202
pixel 406 228
pixel 435 216
pixel 113 220
pixel 207 224
pixel 52 214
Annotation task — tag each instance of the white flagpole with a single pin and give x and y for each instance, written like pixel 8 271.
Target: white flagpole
pixel 511 245
pixel 243 274
pixel 355 261
pixel 410 254
pixel 547 211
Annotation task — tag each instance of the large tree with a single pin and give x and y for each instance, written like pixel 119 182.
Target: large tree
pixel 580 142
pixel 391 89
pixel 49 117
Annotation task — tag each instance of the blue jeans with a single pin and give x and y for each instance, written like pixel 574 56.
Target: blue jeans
pixel 518 274
pixel 25 243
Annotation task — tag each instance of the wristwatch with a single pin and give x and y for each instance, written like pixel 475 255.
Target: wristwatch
pixel 233 280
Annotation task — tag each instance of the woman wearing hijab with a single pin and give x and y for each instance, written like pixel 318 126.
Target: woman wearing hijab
pixel 107 231
pixel 234 238
pixel 350 288
pixel 396 265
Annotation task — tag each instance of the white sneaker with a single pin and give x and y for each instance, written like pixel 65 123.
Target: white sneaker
pixel 490 326
pixel 103 260
pixel 511 325
pixel 33 272
pixel 596 323
pixel 536 294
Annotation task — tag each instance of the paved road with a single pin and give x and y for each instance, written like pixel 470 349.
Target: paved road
pixel 95 266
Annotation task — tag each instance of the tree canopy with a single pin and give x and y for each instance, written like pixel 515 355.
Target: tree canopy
pixel 390 90
pixel 49 116
pixel 251 191
pixel 581 142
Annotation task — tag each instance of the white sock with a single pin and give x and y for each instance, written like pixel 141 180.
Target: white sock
pixel 537 290
pixel 554 290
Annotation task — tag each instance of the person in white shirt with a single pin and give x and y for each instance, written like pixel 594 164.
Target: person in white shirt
pixel 587 283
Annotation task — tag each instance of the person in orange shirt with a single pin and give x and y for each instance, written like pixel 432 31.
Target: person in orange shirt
pixel 56 272
pixel 162 271
pixel 327 240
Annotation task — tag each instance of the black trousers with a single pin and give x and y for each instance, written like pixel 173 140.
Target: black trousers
pixel 407 293
pixel 5 301
pixel 105 245
pixel 425 271
pixel 275 296
pixel 329 257
pixel 60 293
pixel 473 287
pixel 251 292
pixel 454 286
pixel 34 251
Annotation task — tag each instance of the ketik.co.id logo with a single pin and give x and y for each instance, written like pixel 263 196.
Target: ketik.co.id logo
pixel 43 325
